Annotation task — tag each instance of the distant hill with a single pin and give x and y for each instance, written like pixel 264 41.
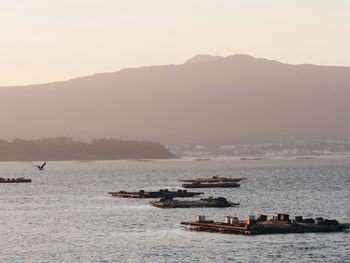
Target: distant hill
pixel 58 149
pixel 208 99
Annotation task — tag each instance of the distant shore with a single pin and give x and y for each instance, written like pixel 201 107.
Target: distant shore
pixel 64 149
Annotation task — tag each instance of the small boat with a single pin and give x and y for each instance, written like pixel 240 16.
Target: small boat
pixel 14 180
pixel 162 193
pixel 203 202
pixel 211 185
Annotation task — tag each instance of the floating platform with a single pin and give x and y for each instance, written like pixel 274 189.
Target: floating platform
pixel 162 193
pixel 14 180
pixel 280 224
pixel 214 179
pixel 252 158
pixel 203 202
pixel 202 159
pixel 211 185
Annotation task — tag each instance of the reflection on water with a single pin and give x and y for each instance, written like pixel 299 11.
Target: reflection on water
pixel 65 214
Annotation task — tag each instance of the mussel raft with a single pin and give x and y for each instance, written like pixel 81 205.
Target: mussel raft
pixel 214 179
pixel 213 182
pixel 280 224
pixel 211 185
pixel 203 202
pixel 162 193
pixel 14 180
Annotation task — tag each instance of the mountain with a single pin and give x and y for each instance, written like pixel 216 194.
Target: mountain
pixel 220 100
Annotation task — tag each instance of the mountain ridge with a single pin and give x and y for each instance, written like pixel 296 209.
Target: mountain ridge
pixel 235 98
pixel 207 59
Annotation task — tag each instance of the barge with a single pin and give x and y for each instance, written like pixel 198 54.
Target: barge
pixel 202 159
pixel 162 193
pixel 214 179
pixel 252 158
pixel 280 224
pixel 14 180
pixel 211 185
pixel 203 202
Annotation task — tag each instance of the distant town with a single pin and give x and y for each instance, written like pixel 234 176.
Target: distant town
pixel 295 148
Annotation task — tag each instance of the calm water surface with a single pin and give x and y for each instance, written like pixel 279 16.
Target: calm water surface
pixel 65 214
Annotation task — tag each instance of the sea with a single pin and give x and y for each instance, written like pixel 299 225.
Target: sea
pixel 66 214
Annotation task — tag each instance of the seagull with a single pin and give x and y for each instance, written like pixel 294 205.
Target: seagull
pixel 40 167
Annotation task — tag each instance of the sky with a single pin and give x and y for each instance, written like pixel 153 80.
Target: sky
pixel 52 40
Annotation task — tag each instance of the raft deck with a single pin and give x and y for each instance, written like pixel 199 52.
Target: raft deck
pixel 162 193
pixel 273 226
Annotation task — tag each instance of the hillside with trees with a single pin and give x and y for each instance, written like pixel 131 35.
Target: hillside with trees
pixel 63 148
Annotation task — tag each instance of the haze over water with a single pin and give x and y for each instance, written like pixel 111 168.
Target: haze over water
pixel 66 215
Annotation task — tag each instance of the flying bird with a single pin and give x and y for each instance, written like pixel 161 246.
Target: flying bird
pixel 40 167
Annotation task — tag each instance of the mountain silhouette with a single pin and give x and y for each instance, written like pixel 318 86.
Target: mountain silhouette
pixel 230 99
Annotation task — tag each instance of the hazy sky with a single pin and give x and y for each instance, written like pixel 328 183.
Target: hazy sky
pixel 48 40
